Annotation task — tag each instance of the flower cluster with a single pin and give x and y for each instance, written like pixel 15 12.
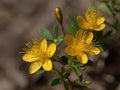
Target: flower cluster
pixel 39 54
pixel 83 43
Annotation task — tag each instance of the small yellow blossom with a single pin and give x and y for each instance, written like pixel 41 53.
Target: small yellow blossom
pixel 39 55
pixel 80 45
pixel 94 20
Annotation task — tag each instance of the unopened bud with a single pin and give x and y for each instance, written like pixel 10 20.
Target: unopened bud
pixel 58 15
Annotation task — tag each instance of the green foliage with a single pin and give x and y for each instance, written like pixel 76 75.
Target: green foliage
pixel 46 33
pixel 66 86
pixel 41 71
pixel 86 82
pixel 109 34
pixel 56 82
pixel 89 63
pixel 71 29
pixel 64 59
pixel 81 67
pixel 66 75
pixel 55 32
pixel 105 8
pixel 74 21
pixel 59 39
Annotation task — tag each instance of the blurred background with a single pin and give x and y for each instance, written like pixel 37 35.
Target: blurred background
pixel 20 21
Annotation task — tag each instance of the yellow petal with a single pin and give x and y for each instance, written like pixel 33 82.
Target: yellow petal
pixel 47 66
pixel 28 57
pixel 69 40
pixel 82 58
pixel 100 20
pixel 92 50
pixel 89 37
pixel 82 22
pixel 80 35
pixel 71 50
pixel 34 67
pixel 90 16
pixel 43 45
pixel 50 50
pixel 99 27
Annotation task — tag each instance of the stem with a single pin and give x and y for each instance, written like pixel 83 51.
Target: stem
pixel 77 73
pixel 62 29
pixel 69 85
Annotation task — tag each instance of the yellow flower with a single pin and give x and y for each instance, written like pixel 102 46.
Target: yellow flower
pixel 94 21
pixel 39 55
pixel 80 45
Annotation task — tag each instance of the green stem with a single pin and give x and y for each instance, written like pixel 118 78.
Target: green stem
pixel 62 29
pixel 77 73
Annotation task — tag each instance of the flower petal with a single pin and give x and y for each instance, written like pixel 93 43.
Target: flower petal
pixel 82 58
pixel 71 50
pixel 43 45
pixel 82 22
pixel 50 50
pixel 91 16
pixel 69 39
pixel 92 50
pixel 47 66
pixel 80 35
pixel 34 67
pixel 99 27
pixel 89 37
pixel 29 57
pixel 100 20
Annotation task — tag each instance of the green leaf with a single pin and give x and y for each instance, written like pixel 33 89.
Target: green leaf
pixel 56 82
pixel 81 77
pixel 46 33
pixel 105 8
pixel 66 86
pixel 59 39
pixel 66 75
pixel 74 20
pixel 71 29
pixel 87 82
pixel 64 59
pixel 62 70
pixel 89 63
pixel 76 62
pixel 82 68
pixel 41 71
pixel 110 34
pixel 55 32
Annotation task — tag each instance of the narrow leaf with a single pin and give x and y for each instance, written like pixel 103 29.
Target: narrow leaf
pixel 56 81
pixel 110 34
pixel 66 86
pixel 74 20
pixel 66 75
pixel 87 82
pixel 71 29
pixel 82 68
pixel 46 33
pixel 64 59
pixel 55 32
pixel 59 39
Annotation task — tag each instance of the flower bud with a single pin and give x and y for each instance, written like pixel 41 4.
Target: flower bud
pixel 58 15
